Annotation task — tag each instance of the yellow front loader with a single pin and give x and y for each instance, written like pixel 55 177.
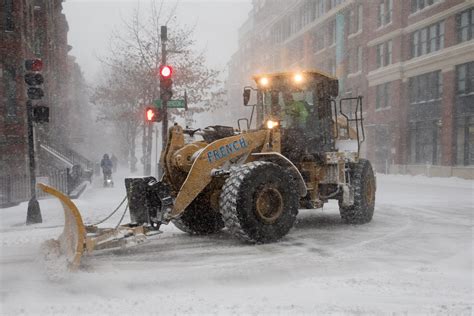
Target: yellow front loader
pixel 303 151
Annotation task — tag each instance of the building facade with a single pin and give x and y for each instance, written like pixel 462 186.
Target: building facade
pixel 33 29
pixel 411 60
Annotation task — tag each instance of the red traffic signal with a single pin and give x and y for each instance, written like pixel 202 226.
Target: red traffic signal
pixel 152 115
pixel 166 72
pixel 33 64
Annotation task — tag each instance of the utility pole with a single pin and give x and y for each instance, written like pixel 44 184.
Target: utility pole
pixel 165 87
pixel 164 101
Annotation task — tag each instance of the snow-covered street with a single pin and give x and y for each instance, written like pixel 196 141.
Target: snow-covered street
pixel 415 257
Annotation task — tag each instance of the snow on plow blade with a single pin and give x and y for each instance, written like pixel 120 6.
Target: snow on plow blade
pixel 78 239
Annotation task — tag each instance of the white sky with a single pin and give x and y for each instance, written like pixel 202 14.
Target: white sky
pixel 91 23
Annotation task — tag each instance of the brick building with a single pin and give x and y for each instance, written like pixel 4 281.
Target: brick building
pixel 411 60
pixel 30 29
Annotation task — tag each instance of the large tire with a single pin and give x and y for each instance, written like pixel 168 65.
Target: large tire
pixel 199 218
pixel 363 182
pixel 259 202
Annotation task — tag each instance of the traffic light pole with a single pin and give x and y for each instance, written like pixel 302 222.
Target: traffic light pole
pixel 34 212
pixel 148 149
pixel 164 103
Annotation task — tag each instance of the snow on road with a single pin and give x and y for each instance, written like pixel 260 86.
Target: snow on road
pixel 414 257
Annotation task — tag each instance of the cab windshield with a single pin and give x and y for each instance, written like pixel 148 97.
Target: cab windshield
pixel 292 108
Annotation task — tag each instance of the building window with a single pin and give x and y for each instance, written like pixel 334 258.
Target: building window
pixel 307 13
pixel 359 17
pixel 388 53
pixel 39 38
pixel 423 41
pixel 382 96
pixel 9 80
pixel 385 12
pixel 465 25
pixel 464 124
pixel 351 21
pixel 319 40
pixel 425 142
pixel 427 40
pixel 359 59
pixel 380 55
pixel 425 93
pixel 335 3
pixel 465 141
pixel 320 8
pixel 281 31
pixel 355 60
pixel 294 24
pixel 465 78
pixel 332 33
pixel 8 15
pixel 436 37
pixel 426 87
pixel 384 54
pixel 417 5
pixel 355 19
pixel 383 145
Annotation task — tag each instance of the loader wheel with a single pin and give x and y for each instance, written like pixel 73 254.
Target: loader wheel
pixel 363 181
pixel 259 202
pixel 199 218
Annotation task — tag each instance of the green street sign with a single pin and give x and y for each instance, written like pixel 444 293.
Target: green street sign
pixel 172 104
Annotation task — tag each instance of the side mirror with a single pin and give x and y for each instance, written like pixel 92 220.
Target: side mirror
pixel 246 95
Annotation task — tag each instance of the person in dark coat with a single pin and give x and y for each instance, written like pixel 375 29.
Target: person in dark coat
pixel 107 166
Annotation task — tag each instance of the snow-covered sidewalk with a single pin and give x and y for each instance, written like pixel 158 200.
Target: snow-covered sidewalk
pixel 414 257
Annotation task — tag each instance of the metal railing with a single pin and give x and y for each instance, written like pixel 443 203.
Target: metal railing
pixel 73 157
pixel 15 189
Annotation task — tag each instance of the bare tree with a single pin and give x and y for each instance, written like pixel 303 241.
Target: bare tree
pixel 131 79
pixel 119 101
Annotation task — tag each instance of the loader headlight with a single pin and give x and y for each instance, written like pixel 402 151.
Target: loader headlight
pixel 298 78
pixel 264 81
pixel 271 124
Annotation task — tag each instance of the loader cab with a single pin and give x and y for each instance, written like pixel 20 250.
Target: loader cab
pixel 300 105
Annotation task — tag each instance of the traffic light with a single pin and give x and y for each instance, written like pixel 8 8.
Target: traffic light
pixel 166 83
pixel 152 114
pixel 34 79
pixel 166 71
pixel 41 114
pixel 34 64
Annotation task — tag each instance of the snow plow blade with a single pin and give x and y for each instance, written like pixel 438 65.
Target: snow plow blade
pixel 70 244
pixel 78 239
